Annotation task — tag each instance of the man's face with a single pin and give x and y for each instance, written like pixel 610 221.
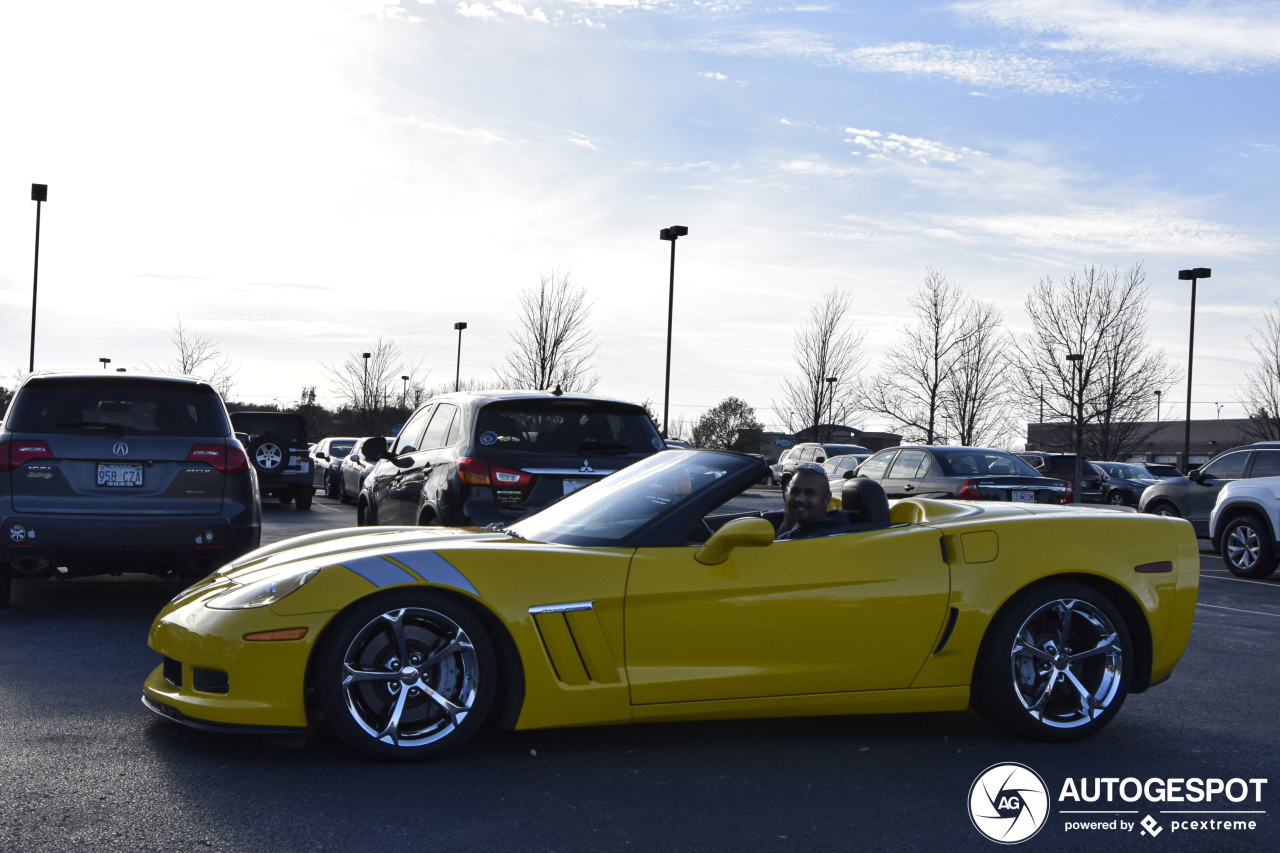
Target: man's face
pixel 808 496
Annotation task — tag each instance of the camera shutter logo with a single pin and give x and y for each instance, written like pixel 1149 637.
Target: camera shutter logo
pixel 1008 803
pixel 120 449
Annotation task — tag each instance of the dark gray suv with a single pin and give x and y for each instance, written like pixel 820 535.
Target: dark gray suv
pixel 108 473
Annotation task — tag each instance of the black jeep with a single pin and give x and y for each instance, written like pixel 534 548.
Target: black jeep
pixel 277 448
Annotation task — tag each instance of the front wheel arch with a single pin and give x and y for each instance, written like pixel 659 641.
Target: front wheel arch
pixel 509 700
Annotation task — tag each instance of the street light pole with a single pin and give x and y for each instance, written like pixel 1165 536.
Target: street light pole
pixel 671 234
pixel 1158 393
pixel 39 194
pixel 404 395
pixel 831 404
pixel 366 379
pixel 1077 402
pixel 457 373
pixel 1192 276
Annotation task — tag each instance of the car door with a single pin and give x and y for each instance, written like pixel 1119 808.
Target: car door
pixel 389 488
pixel 901 481
pixel 319 463
pixel 876 467
pixel 352 465
pixel 1202 493
pixel 427 472
pixel 858 611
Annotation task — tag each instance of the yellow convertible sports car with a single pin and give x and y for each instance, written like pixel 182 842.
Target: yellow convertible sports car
pixel 640 599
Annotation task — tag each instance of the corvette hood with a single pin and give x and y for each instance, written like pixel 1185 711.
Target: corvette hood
pixel 335 546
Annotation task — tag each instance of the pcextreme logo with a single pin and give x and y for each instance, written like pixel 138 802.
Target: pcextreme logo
pixel 1008 803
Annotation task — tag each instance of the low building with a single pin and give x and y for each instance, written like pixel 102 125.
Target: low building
pixel 1161 441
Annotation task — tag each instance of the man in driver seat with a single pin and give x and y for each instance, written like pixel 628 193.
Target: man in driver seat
pixel 806 514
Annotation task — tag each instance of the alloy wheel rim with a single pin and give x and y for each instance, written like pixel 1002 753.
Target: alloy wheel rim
pixel 1117 499
pixel 268 456
pixel 1059 686
pixel 410 677
pixel 1244 549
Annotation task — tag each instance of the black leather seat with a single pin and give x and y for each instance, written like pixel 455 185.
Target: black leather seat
pixel 865 503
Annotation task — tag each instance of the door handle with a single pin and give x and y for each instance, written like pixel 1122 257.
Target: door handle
pixel 908 488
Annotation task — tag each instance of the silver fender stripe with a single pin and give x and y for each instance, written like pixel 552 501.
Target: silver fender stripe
pixel 412 567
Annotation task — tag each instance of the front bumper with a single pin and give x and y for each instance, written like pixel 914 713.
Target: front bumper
pixel 265 681
pixel 173 714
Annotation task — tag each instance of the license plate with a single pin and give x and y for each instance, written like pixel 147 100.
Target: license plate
pixel 1024 497
pixel 120 474
pixel 571 486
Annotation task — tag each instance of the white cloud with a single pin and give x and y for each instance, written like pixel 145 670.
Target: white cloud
pixel 1193 36
pixel 713 75
pixel 890 145
pixel 476 10
pixel 583 140
pixel 812 167
pixel 1112 229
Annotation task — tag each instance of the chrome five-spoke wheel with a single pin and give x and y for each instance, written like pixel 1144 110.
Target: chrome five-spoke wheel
pixel 1243 547
pixel 1247 548
pixel 1067 663
pixel 1055 664
pixel 407 676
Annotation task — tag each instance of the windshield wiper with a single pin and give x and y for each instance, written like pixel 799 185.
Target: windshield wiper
pixel 98 425
pixel 597 444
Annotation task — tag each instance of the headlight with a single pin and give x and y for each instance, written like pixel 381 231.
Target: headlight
pixel 263 592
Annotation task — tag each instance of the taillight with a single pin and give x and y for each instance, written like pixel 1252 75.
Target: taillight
pixel 474 472
pixel 1071 493
pixel 228 460
pixel 969 491
pixel 18 452
pixel 507 477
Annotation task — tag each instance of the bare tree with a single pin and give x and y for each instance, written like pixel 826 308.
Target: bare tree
pixel 974 395
pixel 1104 396
pixel 825 348
pixel 201 356
pixel 911 387
pixel 721 427
pixel 368 387
pixel 1261 392
pixel 554 345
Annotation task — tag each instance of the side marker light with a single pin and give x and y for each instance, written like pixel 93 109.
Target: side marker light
pixel 282 634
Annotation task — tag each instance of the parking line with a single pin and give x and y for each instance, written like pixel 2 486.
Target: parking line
pixel 1238 610
pixel 1240 580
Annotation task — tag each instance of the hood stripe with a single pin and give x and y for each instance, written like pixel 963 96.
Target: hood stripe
pixel 410 567
pixel 379 571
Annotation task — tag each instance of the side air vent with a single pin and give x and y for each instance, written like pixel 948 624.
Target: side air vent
pixel 946 632
pixel 575 644
pixel 173 671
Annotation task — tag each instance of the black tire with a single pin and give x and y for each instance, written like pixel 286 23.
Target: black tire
pixel 1010 680
pixel 342 490
pixel 1117 499
pixel 331 486
pixel 1164 508
pixel 365 516
pixel 6 584
pixel 304 498
pixel 1247 548
pixel 268 455
pixel 432 626
pixel 286 498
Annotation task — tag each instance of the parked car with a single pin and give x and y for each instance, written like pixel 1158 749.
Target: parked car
pixel 1245 525
pixel 1063 467
pixel 277 450
pixel 326 460
pixel 1193 497
pixel 356 465
pixel 1163 472
pixel 965 473
pixel 482 458
pixel 841 468
pixel 810 452
pixel 1124 483
pixel 407 642
pixel 106 473
pixel 677 444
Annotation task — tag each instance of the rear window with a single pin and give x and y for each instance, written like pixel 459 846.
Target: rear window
pixel 258 424
pixel 980 463
pixel 569 427
pixel 118 407
pixel 842 449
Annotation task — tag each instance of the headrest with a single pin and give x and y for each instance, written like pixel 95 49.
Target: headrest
pixel 865 501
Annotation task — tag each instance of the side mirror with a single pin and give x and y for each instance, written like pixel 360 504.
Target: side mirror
pixel 848 475
pixel 1196 476
pixel 322 455
pixel 739 533
pixel 375 449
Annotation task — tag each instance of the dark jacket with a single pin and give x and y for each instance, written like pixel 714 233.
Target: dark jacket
pixel 829 525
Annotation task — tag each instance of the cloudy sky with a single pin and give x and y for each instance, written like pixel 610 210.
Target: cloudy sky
pixel 298 178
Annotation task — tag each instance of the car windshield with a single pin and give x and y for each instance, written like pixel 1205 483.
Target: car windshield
pixel 567 427
pixel 609 512
pixel 118 407
pixel 339 449
pixel 1167 471
pixel 982 463
pixel 1126 472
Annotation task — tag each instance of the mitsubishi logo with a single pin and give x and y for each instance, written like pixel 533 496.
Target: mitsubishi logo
pixel 120 449
pixel 586 467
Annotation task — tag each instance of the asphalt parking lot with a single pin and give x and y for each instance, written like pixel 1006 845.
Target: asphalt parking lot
pixel 84 767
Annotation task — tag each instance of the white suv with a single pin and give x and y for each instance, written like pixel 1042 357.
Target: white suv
pixel 1244 526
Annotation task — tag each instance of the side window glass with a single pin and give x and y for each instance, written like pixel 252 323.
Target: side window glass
pixel 925 464
pixel 1229 467
pixel 439 427
pixel 875 467
pixel 1266 464
pixel 906 464
pixel 455 431
pixel 410 438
